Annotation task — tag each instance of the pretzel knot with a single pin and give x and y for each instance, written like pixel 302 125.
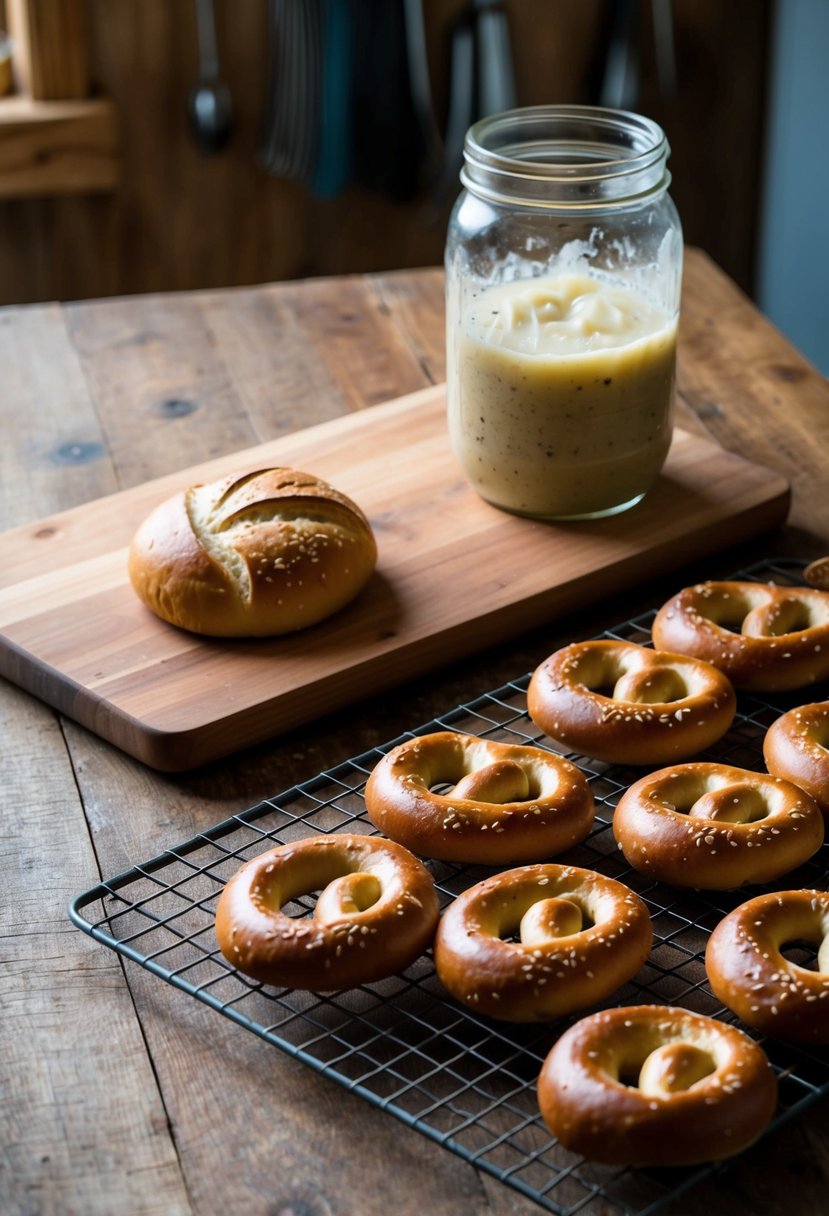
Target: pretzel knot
pixel 540 941
pixel 715 827
pixel 460 798
pixel 796 747
pixel 376 913
pixel 750 973
pixel 654 1085
pixel 764 638
pixel 624 703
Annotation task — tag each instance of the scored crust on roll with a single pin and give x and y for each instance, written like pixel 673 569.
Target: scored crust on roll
pixel 656 1085
pixel 252 555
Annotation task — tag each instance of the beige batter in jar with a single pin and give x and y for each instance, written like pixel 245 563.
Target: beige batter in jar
pixel 564 393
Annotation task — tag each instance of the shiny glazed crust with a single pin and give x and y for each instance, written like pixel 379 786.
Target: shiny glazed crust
pixel 698 1090
pixel 504 803
pixel 253 555
pixel 377 912
pixel 764 638
pixel 574 938
pixel 750 974
pixel 658 707
pixel 796 747
pixel 715 827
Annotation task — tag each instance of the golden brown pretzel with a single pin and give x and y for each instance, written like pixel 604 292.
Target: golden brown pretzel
pixel 504 803
pixel 714 827
pixel 796 747
pixel 377 912
pixel 763 637
pixel 540 941
pixel 655 1085
pixel 628 704
pixel 750 974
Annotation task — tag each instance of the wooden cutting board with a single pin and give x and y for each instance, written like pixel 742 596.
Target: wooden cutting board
pixel 454 576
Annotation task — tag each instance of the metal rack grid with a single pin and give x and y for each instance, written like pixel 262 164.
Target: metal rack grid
pixel 404 1044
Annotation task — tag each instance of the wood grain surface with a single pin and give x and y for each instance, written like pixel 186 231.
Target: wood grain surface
pixel 454 576
pixel 120 1093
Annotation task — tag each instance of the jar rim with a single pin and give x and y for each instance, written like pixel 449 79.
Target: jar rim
pixel 565 154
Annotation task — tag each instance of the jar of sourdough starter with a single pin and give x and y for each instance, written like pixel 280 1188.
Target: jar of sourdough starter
pixel 563 265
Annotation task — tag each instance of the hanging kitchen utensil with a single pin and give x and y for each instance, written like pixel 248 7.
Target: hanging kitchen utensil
pixel 461 108
pixel 420 85
pixel 388 143
pixel 210 107
pixel 332 168
pixel 620 84
pixel 295 38
pixel 494 68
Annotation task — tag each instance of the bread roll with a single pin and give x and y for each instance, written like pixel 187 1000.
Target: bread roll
pixel 253 555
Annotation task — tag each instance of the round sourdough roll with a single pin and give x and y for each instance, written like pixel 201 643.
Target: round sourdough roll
pixel 252 555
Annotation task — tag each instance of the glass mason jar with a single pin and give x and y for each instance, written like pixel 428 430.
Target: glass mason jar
pixel 563 275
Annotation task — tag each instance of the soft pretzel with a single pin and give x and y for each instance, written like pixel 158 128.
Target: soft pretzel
pixel 655 1085
pixel 503 803
pixel 253 554
pixel 377 912
pixel 750 974
pixel 628 704
pixel 715 827
pixel 796 747
pixel 765 638
pixel 540 941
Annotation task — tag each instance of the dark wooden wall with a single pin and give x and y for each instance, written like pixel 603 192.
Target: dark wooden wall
pixel 181 220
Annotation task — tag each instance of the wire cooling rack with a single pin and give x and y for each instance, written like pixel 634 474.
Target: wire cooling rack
pixel 404 1044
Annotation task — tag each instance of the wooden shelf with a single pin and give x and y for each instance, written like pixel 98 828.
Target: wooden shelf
pixel 57 147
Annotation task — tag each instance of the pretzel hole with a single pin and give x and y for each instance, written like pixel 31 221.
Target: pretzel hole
pixel 804 953
pixel 817 732
pixel 726 610
pixel 788 616
pixel 598 672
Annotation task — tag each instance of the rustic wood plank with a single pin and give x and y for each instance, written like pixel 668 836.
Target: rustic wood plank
pixel 754 392
pixel 51 47
pixel 57 147
pixel 71 1051
pixel 163 394
pixel 53 453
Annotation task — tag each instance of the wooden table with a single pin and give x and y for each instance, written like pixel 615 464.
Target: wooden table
pixel 120 1094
